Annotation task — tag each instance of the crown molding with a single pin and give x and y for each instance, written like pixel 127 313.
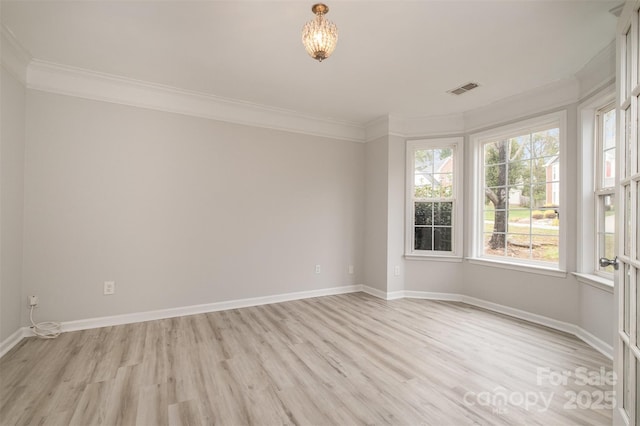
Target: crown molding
pixel 414 127
pixel 430 126
pixel 546 98
pixel 600 71
pixel 377 128
pixel 13 57
pixel 65 80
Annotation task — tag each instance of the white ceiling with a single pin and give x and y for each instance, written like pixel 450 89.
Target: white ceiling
pixel 393 57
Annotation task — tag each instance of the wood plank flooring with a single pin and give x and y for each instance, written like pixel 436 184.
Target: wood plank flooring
pixel 344 360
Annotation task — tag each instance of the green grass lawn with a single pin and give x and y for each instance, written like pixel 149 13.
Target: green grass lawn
pixel 514 214
pixel 544 236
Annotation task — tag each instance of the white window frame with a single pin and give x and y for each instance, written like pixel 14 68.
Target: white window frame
pixel 588 173
pixel 456 143
pixel 477 140
pixel 598 189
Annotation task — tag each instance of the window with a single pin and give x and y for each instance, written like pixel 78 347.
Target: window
pixel 596 188
pixel 434 189
pixel 518 193
pixel 605 179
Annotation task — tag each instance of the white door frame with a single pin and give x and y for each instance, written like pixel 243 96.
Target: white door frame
pixel 627 278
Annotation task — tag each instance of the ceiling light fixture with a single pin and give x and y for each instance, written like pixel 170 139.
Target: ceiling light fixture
pixel 320 35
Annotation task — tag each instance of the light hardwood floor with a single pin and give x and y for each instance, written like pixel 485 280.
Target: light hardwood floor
pixel 348 359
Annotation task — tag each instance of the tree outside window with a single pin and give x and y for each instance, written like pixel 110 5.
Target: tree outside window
pixel 522 196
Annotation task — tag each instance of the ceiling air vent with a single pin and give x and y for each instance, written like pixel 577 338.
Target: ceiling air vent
pixel 463 89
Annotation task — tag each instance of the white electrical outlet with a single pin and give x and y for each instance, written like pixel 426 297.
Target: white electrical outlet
pixel 32 300
pixel 317 269
pixel 351 269
pixel 396 271
pixel 109 287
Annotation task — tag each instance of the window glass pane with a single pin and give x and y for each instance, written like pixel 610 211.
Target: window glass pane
pixel 519 245
pixel 443 185
pixel 433 188
pixel 519 172
pixel 423 178
pixel 609 250
pixel 538 170
pixel 627 68
pixel 443 160
pixel 489 218
pixel 546 247
pixel 608 168
pixel 543 195
pixel 495 195
pixel 423 213
pixel 494 244
pixel 638 307
pixel 627 220
pixel 423 238
pixel 627 298
pixel 495 175
pixel 433 173
pixel 519 196
pixel 519 220
pixel 546 143
pixel 497 222
pixel 491 153
pixel 608 207
pixel 627 141
pixel 522 196
pixel 423 161
pixel 605 203
pixel 520 148
pixel 442 214
pixel 627 381
pixel 609 129
pixel 425 191
pixel 546 169
pixel 442 239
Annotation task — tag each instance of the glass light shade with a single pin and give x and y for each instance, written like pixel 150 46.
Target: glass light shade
pixel 320 35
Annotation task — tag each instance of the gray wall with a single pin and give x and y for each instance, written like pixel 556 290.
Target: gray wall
pixel 553 297
pixel 396 195
pixel 562 299
pixel 179 210
pixel 182 211
pixel 375 237
pixel 12 139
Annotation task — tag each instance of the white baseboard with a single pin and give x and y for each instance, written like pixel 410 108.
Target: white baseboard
pixel 590 339
pixel 593 341
pixel 89 323
pixel 450 297
pixel 14 339
pixel 518 313
pixel 375 292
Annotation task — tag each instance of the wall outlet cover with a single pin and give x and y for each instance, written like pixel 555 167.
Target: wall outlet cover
pixel 109 287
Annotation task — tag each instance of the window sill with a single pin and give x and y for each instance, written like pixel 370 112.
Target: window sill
pixel 595 281
pixel 433 257
pixel 532 269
